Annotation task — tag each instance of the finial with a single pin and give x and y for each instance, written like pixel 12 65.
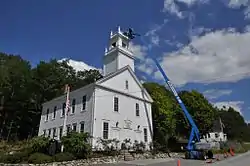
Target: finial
pixel 106 50
pixel 119 29
pixel 111 33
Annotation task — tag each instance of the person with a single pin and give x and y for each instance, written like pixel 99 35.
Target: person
pixel 130 34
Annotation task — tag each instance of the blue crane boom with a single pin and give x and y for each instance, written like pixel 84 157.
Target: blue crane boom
pixel 194 135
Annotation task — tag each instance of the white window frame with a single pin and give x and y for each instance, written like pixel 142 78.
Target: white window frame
pixel 84 103
pixel 47 115
pixel 103 135
pixel 80 127
pixel 54 112
pixel 73 107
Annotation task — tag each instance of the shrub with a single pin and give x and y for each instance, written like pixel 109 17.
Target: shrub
pixel 39 158
pixel 3 146
pixel 139 147
pixel 14 158
pixel 109 147
pixel 64 157
pixel 76 143
pixel 38 144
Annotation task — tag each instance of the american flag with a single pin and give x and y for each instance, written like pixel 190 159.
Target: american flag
pixel 67 90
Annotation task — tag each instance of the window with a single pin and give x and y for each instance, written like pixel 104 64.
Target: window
pixel 49 133
pixel 116 124
pixel 113 44
pixel 105 130
pixel 47 115
pixel 82 127
pixel 137 110
pixel 44 133
pixel 63 109
pixel 138 127
pixel 60 132
pixel 116 104
pixel 54 113
pixel 84 99
pixel 126 84
pixel 145 135
pixel 54 132
pixel 124 45
pixel 73 106
pixel 68 129
pixel 74 126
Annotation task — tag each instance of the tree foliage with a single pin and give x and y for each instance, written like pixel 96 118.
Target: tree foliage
pixel 203 113
pixel 77 144
pixel 23 89
pixel 235 126
pixel 164 110
pixel 169 119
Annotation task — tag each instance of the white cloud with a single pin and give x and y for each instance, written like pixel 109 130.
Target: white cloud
pixel 145 63
pixel 155 40
pixel 145 68
pixel 237 105
pixel 153 37
pixel 247 28
pixel 172 7
pixel 239 3
pixel 79 65
pixel 221 56
pixel 215 93
pixel 138 51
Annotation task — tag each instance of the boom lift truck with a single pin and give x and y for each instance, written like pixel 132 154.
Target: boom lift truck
pixel 195 148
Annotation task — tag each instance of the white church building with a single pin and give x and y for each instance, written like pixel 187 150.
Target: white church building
pixel 115 107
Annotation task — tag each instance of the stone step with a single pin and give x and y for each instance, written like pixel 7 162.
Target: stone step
pixel 128 156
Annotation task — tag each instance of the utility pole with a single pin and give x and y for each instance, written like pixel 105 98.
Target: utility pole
pixel 67 90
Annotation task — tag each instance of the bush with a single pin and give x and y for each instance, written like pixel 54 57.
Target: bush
pixel 59 157
pixel 39 158
pixel 17 157
pixel 38 144
pixel 139 147
pixel 3 146
pixel 108 147
pixel 76 143
pixel 246 146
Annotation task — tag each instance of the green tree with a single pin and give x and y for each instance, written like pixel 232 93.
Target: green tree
pixel 163 112
pixel 15 76
pixel 235 126
pixel 202 112
pixel 23 90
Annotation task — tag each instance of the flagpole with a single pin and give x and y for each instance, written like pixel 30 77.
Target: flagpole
pixel 65 114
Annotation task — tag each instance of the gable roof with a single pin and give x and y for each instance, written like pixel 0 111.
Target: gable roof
pixel 111 75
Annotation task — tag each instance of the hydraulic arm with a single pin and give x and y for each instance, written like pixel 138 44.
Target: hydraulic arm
pixel 194 135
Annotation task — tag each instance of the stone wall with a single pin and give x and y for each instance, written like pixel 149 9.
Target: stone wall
pixel 93 161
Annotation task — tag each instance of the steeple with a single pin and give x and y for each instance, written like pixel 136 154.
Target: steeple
pixel 117 55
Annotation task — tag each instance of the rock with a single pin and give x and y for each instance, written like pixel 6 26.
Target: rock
pixel 101 160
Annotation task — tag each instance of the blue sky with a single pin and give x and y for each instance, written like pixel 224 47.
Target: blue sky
pixel 201 44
